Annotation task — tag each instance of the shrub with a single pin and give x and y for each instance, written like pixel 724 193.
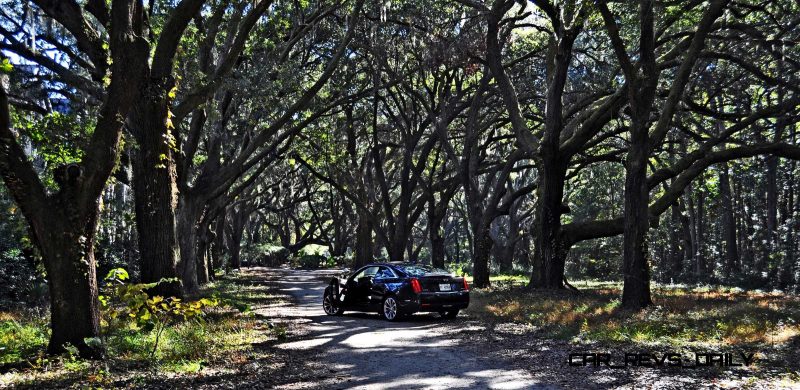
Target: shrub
pixel 265 254
pixel 130 305
pixel 311 261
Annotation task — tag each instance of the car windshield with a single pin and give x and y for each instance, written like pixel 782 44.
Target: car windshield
pixel 420 270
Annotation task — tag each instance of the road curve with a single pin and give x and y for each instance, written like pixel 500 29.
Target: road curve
pixel 362 351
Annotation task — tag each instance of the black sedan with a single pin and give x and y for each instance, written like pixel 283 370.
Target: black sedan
pixel 397 290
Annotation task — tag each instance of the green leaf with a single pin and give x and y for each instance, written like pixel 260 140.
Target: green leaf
pixel 117 274
pixel 207 302
pixel 94 342
pixel 5 66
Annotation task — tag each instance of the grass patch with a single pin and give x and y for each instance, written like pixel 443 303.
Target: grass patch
pixel 22 334
pixel 187 366
pixel 681 317
pixel 504 279
pixel 225 335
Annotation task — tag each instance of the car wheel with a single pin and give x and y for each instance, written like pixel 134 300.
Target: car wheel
pixel 449 314
pixel 390 311
pixel 328 305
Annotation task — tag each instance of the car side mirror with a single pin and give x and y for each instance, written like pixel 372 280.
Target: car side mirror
pixel 365 280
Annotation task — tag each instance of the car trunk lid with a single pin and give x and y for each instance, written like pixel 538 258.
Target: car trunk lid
pixel 441 283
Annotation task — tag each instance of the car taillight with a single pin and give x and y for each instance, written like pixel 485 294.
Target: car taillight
pixel 466 285
pixel 415 286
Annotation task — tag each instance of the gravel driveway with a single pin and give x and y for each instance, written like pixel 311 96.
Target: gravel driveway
pixel 362 351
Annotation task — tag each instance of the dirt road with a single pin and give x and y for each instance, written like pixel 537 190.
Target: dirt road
pixel 362 351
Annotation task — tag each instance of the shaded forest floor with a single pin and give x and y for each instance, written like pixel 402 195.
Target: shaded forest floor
pixel 232 340
pixel 519 330
pixel 680 317
pixel 522 325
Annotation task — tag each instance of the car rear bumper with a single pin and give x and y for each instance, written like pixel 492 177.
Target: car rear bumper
pixel 436 302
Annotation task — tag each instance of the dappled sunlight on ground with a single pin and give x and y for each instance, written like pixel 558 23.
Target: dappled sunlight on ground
pixel 364 351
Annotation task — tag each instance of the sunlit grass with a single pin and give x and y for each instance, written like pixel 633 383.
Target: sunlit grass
pixel 681 316
pixel 22 334
pixel 224 335
pixel 504 278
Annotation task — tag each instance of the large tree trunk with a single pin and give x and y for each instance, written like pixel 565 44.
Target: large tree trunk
pixel 64 226
pixel 504 256
pixel 636 270
pixel 69 260
pixel 236 249
pixel 364 246
pixel 480 261
pixel 341 236
pixel 437 250
pixel 219 242
pixel 204 238
pixel 550 247
pixel 155 191
pixel 189 213
pixel 237 230
pixel 435 236
pixel 505 253
pixel 396 247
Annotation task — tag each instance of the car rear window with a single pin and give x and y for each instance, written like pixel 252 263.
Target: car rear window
pixel 420 270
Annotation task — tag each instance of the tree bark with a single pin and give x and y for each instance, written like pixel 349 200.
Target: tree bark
pixel 72 280
pixel 436 215
pixel 397 246
pixel 636 288
pixel 239 219
pixel 480 262
pixel 219 242
pixel 364 245
pixel 235 248
pixel 437 245
pixel 155 191
pixel 204 239
pixel 188 218
pixel 550 249
pixel 155 172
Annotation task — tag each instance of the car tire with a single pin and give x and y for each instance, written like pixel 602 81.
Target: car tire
pixel 328 306
pixel 449 314
pixel 390 310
